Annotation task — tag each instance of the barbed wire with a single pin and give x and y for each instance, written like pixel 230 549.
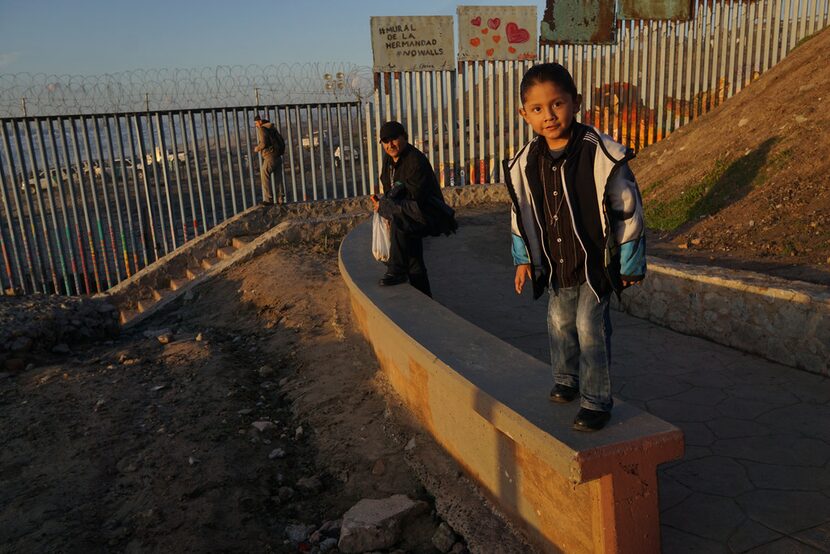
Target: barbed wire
pixel 40 94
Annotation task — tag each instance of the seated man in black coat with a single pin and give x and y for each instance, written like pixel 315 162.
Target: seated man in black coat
pixel 414 206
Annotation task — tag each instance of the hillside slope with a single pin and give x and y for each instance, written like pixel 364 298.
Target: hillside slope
pixel 748 184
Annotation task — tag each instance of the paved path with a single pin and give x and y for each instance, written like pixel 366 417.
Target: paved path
pixel 756 475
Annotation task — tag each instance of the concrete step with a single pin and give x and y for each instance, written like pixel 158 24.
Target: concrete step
pixel 225 252
pixel 193 272
pixel 242 240
pixel 176 284
pixel 126 315
pixel 144 304
pixel 208 263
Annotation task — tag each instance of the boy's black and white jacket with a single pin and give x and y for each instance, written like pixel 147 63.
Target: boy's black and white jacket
pixel 604 202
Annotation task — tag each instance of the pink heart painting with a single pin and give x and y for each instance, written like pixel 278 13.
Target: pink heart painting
pixel 494 23
pixel 515 34
pixel 476 21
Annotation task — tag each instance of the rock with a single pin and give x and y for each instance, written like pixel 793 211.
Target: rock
pixel 376 524
pixel 21 344
pixel 379 467
pixel 311 484
pixel 165 338
pixel 443 539
pixel 683 245
pixel 276 453
pixel 61 348
pixel 192 461
pixel 263 426
pixel 285 493
pixel 327 544
pixel 298 532
pixel 331 528
pixel 244 411
pixel 15 365
pixel 459 548
pixel 410 445
pixel 298 433
pixel 265 371
pixel 157 388
pixel 696 242
pixel 283 382
pixel 199 337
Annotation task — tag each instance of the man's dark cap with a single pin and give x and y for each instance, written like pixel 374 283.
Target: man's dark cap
pixel 391 130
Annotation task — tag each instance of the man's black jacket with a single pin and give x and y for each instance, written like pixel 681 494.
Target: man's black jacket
pixel 412 194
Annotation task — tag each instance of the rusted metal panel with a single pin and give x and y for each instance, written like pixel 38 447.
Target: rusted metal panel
pixel 412 43
pixel 675 10
pixel 497 33
pixel 579 22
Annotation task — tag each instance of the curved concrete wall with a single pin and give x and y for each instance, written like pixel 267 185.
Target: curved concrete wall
pixel 784 321
pixel 486 403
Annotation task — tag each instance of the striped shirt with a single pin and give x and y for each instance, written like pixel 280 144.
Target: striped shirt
pixel 566 254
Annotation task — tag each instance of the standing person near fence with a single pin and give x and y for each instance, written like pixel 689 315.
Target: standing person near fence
pixel 413 204
pixel 577 229
pixel 272 146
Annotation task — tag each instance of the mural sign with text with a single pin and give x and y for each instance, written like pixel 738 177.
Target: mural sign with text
pixel 579 22
pixel 497 33
pixel 412 43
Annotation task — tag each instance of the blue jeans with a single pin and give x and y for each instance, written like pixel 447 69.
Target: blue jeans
pixel 579 329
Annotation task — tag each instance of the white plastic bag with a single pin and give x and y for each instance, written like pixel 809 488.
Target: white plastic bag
pixel 380 238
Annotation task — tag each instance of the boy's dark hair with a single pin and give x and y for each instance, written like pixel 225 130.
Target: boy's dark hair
pixel 547 73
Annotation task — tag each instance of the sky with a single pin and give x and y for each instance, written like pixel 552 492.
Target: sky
pixel 94 37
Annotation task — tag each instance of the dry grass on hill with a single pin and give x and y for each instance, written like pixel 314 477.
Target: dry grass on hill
pixel 748 185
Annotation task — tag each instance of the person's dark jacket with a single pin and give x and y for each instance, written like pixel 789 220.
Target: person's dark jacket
pixel 412 194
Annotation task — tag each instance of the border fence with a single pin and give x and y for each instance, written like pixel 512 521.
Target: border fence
pixel 658 76
pixel 88 200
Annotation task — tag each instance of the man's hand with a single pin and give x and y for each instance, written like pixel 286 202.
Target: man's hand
pixel 522 275
pixel 257 148
pixel 375 202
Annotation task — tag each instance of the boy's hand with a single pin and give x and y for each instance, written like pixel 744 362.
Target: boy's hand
pixel 375 202
pixel 522 275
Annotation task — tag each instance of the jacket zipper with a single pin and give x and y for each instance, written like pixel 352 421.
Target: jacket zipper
pixel 576 232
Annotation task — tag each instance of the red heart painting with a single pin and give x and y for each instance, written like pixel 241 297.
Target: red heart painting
pixel 511 49
pixel 496 38
pixel 494 23
pixel 475 41
pixel 490 51
pixel 484 31
pixel 476 21
pixel 515 34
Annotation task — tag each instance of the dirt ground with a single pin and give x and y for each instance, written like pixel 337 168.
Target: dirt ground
pixel 749 182
pixel 138 446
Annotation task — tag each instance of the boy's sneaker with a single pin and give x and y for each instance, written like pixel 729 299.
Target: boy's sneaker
pixel 562 394
pixel 591 420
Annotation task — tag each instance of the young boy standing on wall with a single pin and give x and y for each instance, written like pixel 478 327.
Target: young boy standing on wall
pixel 577 225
